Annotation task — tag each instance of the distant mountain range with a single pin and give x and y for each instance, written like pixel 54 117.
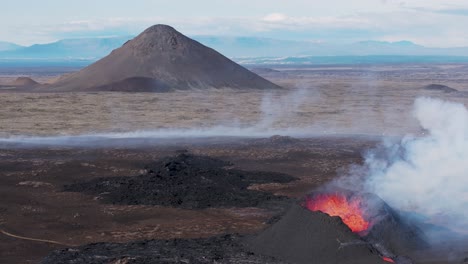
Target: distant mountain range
pixel 241 48
pixel 8 46
pixel 86 48
pixel 338 60
pixel 262 47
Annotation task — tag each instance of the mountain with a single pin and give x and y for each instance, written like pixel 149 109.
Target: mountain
pixel 356 59
pixel 24 82
pixel 86 48
pixel 253 46
pixel 161 59
pixel 8 46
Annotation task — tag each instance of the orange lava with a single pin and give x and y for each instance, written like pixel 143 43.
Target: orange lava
pixel 338 205
pixel 388 259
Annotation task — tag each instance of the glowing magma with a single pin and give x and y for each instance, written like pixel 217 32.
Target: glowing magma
pixel 387 259
pixel 338 205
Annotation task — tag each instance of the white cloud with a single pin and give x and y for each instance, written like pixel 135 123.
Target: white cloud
pixel 433 5
pixel 423 22
pixel 275 17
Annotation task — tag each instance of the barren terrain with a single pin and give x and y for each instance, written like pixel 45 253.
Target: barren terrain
pixel 324 105
pixel 34 204
pixel 318 100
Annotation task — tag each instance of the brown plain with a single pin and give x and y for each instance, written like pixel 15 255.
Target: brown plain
pixel 327 100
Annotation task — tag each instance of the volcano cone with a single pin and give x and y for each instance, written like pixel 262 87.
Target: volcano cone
pixel 158 60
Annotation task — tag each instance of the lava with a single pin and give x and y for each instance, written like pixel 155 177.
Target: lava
pixel 387 259
pixel 349 211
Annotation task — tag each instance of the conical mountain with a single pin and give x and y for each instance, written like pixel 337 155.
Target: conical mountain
pixel 161 59
pixel 24 81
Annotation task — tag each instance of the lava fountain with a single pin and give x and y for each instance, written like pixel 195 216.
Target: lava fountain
pixel 334 204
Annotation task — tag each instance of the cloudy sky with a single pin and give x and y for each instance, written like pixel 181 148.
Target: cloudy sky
pixel 434 23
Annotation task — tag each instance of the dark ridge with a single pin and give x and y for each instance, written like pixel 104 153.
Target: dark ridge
pixel 221 249
pixel 440 88
pixel 186 181
pixel 277 140
pixel 260 70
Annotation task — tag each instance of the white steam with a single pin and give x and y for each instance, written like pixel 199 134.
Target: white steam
pixel 284 108
pixel 278 113
pixel 429 174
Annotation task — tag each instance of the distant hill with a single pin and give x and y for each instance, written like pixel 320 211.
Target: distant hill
pixel 264 47
pixel 440 88
pixel 24 82
pixel 329 60
pixel 8 46
pixel 86 48
pixel 158 60
pixel 254 47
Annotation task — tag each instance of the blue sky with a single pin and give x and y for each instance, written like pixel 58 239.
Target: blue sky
pixel 433 23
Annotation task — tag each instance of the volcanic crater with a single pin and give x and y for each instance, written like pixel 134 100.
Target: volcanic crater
pixel 372 219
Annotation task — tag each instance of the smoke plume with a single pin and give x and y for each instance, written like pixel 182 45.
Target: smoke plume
pixel 428 174
pixel 281 109
pixel 278 114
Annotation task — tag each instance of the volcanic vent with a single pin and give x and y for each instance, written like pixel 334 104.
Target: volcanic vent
pixel 349 210
pixel 340 227
pixel 162 59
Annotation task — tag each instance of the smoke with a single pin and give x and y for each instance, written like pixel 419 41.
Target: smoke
pixel 426 175
pixel 282 109
pixel 278 116
pixel 154 136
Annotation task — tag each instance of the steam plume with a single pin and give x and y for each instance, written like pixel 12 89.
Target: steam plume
pixel 429 174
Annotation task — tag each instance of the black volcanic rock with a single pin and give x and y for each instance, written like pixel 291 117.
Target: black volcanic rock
pixel 220 249
pixel 185 181
pixel 162 56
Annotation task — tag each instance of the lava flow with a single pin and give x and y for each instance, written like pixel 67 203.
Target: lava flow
pixel 387 259
pixel 338 205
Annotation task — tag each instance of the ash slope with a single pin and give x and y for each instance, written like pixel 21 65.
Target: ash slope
pixel 303 237
pixel 169 59
pixel 186 181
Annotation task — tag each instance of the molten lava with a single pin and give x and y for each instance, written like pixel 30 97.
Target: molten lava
pixel 350 212
pixel 387 259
